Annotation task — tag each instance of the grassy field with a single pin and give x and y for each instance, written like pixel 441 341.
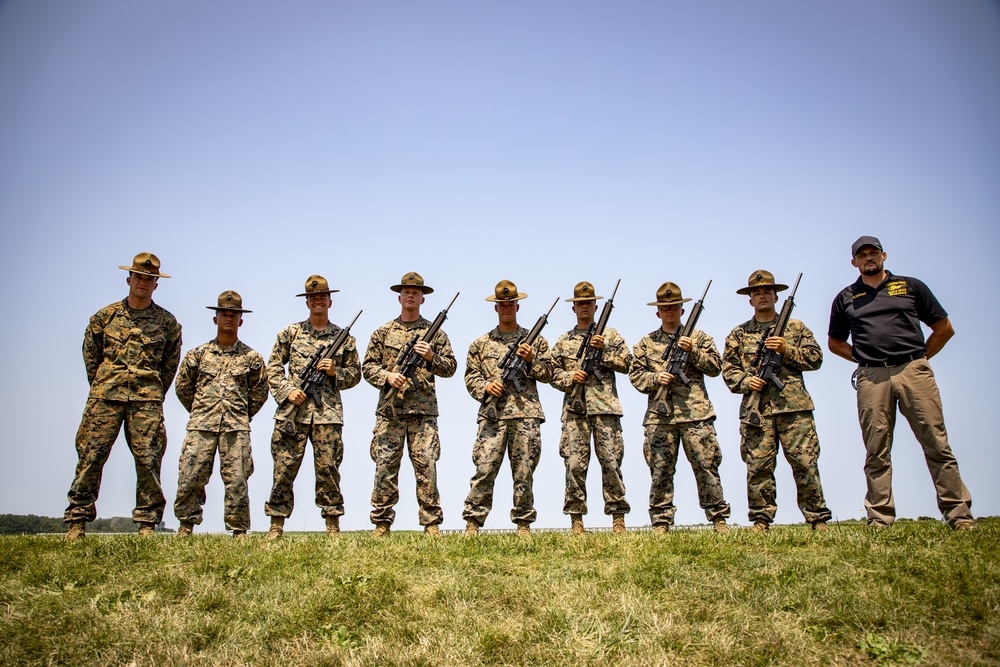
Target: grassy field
pixel 917 594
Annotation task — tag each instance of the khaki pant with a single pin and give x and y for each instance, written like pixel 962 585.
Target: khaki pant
pixel 912 387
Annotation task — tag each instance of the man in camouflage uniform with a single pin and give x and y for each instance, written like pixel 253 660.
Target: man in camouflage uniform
pixel 602 420
pixel 222 384
pixel 688 416
pixel 415 419
pixel 299 418
pixel 131 350
pixel 787 414
pixel 509 420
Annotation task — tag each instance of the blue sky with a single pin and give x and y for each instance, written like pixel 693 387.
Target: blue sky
pixel 253 144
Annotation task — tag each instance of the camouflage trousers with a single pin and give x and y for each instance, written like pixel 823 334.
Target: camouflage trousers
pixel 574 447
pixel 521 439
pixel 420 432
pixel 287 451
pixel 701 447
pixel 195 469
pixel 796 431
pixel 147 440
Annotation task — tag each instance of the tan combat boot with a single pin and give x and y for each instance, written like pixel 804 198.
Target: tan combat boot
pixel 471 528
pixel 760 526
pixel 661 528
pixel 523 529
pixel 432 530
pixel 239 534
pixel 333 526
pixel 576 524
pixel 820 526
pixel 77 531
pixel 961 524
pixel 719 526
pixel 618 524
pixel 381 529
pixel 186 529
pixel 277 529
pixel 146 529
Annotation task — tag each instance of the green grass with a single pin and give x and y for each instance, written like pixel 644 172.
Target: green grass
pixel 917 594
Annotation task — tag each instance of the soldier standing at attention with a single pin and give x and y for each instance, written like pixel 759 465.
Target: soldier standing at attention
pixel 689 418
pixel 881 313
pixel 299 418
pixel 222 384
pixel 131 350
pixel 787 416
pixel 602 420
pixel 415 421
pixel 513 425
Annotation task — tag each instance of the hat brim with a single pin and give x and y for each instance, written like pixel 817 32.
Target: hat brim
pixel 423 288
pixel 584 298
pixel 132 269
pixel 322 291
pixel 669 303
pixel 777 287
pixel 229 310
pixel 520 295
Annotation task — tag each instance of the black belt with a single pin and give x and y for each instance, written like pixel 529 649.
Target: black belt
pixel 893 361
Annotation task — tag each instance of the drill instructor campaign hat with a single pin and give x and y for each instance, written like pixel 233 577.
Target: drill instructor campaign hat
pixel 231 301
pixel 760 278
pixel 147 264
pixel 317 284
pixel 863 241
pixel 669 294
pixel 412 279
pixel 506 291
pixel 584 291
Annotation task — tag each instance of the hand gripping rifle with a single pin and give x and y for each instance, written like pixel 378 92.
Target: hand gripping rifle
pixel 313 379
pixel 766 362
pixel 408 363
pixel 676 357
pixel 591 356
pixel 514 367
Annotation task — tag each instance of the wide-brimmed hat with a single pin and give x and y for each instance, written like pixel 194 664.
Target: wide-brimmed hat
pixel 414 280
pixel 506 291
pixel 669 294
pixel 584 291
pixel 145 263
pixel 317 284
pixel 231 301
pixel 761 278
pixel 863 241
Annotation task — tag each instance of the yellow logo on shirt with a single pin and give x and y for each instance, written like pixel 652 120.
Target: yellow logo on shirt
pixel 896 288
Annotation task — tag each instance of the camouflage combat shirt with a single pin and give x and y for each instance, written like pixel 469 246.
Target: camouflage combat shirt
pixel 686 403
pixel 222 387
pixel 481 368
pixel 295 346
pixel 383 350
pixel 802 353
pixel 131 354
pixel 601 395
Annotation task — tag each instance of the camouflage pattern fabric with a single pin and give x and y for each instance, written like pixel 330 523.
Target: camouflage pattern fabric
pixel 287 451
pixel 601 395
pixel 481 368
pixel 687 404
pixel 222 387
pixel 294 347
pixel 380 359
pixel 521 439
pixel 759 448
pixel 131 354
pixel 195 469
pixel 147 440
pixel 701 447
pixel 420 432
pixel 574 447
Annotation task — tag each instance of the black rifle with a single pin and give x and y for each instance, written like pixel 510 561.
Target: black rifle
pixel 676 357
pixel 514 367
pixel 591 356
pixel 407 364
pixel 766 362
pixel 313 379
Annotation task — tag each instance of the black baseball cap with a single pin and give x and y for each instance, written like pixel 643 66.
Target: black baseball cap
pixel 863 241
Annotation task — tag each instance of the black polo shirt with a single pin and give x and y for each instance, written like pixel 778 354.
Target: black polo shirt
pixel 884 323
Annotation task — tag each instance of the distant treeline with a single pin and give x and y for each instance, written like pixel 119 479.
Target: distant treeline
pixel 29 524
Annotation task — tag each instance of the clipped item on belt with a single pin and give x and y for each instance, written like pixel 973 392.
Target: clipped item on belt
pixel 854 378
